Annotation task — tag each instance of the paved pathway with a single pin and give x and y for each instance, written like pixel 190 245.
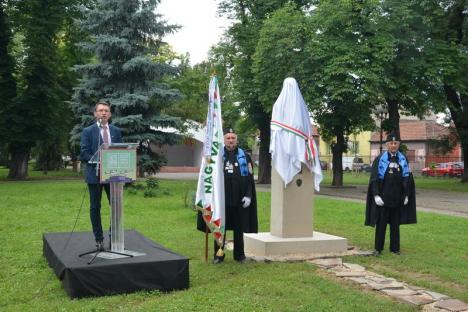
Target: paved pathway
pixel 442 202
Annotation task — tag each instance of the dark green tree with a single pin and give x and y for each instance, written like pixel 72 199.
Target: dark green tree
pixel 446 53
pixel 340 85
pixel 243 37
pixel 192 82
pixel 33 115
pixel 7 81
pixel 280 52
pixel 126 40
pixel 405 82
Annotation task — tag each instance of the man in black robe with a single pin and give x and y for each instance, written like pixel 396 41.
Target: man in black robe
pixel 391 195
pixel 240 195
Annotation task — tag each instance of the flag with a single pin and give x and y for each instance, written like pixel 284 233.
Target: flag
pixel 210 190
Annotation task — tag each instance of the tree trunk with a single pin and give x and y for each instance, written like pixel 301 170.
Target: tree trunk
pixel 458 107
pixel 393 116
pixel 464 178
pixel 18 164
pixel 337 160
pixel 264 166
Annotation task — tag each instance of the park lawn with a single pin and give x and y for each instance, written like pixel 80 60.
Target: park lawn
pixel 39 175
pixel 434 255
pixel 430 183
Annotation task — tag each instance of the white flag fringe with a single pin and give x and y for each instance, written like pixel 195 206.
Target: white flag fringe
pixel 210 190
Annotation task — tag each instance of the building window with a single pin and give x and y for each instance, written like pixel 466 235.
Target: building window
pixel 353 147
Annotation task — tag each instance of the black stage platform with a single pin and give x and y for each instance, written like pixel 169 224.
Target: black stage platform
pixel 158 269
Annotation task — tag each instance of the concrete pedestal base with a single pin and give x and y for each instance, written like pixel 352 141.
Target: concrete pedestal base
pixel 266 245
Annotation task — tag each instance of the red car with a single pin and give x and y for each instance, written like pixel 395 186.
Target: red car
pixel 444 170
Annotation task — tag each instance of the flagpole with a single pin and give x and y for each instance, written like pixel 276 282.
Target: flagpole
pixel 206 243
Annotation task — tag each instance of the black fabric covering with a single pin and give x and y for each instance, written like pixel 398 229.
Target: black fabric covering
pixel 160 269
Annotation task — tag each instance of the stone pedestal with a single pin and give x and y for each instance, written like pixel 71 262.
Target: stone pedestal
pixel 291 224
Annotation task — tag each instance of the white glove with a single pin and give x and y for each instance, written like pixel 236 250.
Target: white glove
pixel 378 200
pixel 405 201
pixel 246 202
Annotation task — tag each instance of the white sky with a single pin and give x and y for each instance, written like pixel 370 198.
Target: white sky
pixel 201 26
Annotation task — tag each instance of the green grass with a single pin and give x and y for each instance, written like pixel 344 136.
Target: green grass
pixel 430 183
pixel 39 175
pixel 27 284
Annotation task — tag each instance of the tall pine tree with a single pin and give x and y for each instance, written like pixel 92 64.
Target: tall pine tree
pixel 125 38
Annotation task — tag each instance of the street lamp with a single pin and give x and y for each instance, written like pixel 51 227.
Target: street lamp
pixel 381 112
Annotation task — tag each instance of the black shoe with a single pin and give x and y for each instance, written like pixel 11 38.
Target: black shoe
pixel 242 260
pixel 377 253
pixel 218 260
pixel 396 252
pixel 99 245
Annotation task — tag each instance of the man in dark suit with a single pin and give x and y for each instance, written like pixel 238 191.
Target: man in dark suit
pixel 91 139
pixel 391 195
pixel 240 196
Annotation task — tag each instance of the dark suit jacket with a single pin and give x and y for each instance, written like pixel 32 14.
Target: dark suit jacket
pixel 90 142
pixel 407 212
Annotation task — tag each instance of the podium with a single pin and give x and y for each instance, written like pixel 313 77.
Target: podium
pixel 115 165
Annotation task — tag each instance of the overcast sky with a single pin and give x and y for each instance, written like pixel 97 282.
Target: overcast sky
pixel 201 26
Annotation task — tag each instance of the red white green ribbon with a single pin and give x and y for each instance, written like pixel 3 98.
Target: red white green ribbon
pixel 309 140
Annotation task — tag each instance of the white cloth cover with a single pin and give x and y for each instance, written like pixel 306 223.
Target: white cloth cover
pixel 288 148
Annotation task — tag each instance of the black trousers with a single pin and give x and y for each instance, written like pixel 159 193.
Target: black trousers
pixel 238 245
pixel 391 216
pixel 95 193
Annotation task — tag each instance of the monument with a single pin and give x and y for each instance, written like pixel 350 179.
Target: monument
pixel 294 175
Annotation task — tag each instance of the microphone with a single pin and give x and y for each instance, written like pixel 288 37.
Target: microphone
pixel 100 122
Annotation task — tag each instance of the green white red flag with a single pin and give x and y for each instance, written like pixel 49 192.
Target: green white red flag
pixel 210 191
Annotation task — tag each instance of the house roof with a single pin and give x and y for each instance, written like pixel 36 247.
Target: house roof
pixel 416 130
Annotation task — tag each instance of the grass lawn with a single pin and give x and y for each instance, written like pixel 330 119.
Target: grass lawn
pixel 39 175
pixel 432 183
pixel 434 256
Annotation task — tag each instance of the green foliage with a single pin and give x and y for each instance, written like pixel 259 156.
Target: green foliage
pixel 150 193
pixel 152 183
pixel 239 46
pixel 192 82
pixel 7 67
pixel 280 52
pixel 126 39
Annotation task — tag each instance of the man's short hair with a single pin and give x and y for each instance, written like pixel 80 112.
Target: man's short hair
pixel 102 102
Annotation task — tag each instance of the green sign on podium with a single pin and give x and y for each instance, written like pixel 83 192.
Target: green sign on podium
pixel 118 163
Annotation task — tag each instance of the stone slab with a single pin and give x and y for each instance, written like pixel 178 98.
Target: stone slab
pixel 354 267
pixel 350 274
pixel 391 285
pixel 416 299
pixel 399 292
pixel 327 263
pixel 453 305
pixel 265 244
pixel 436 296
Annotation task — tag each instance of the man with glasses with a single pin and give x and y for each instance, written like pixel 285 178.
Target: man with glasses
pixel 100 132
